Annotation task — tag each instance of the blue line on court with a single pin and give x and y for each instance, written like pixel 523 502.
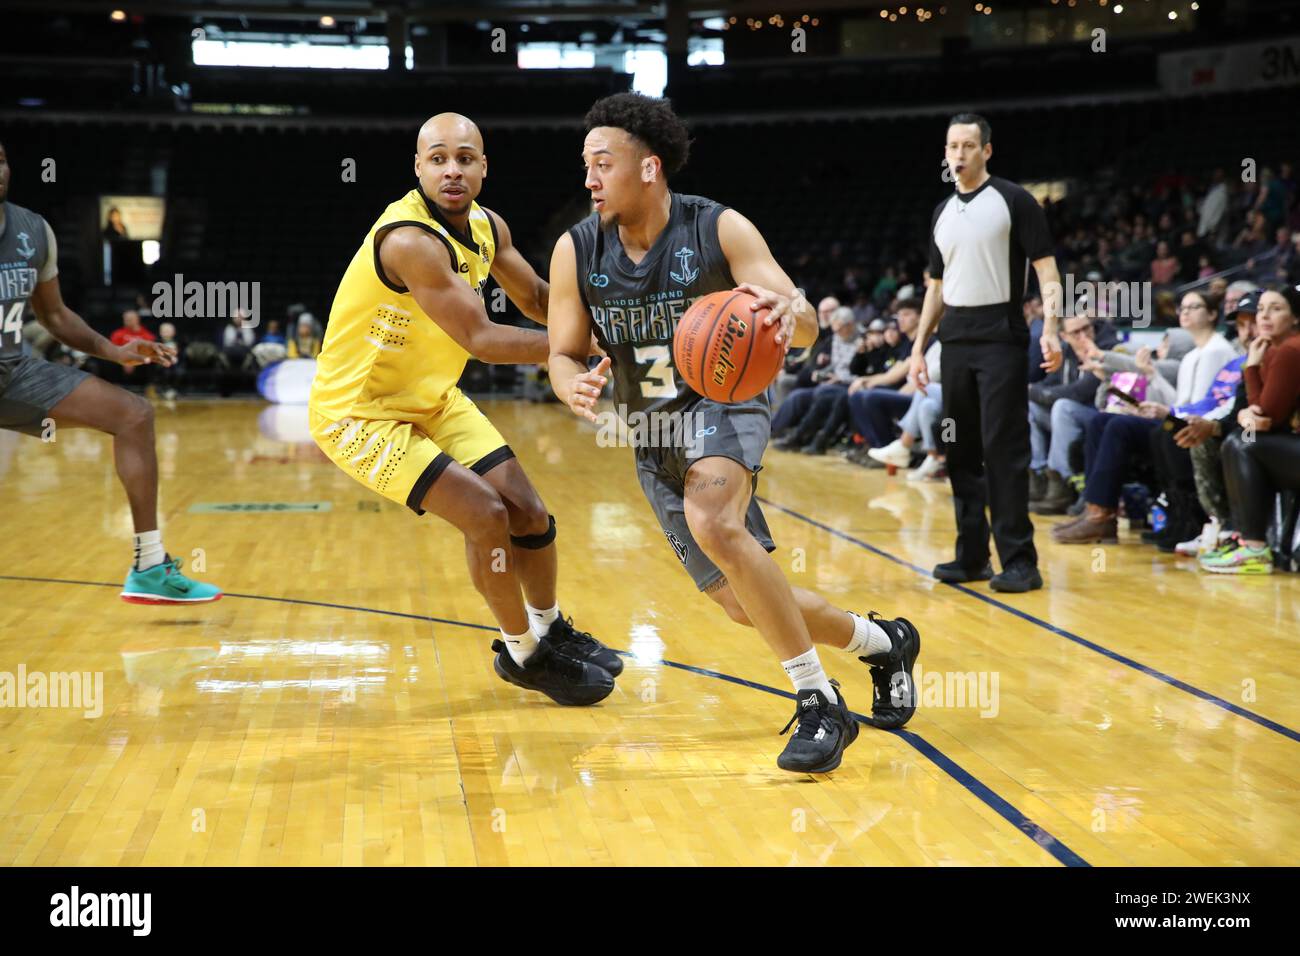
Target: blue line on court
pixel 1062 853
pixel 1169 679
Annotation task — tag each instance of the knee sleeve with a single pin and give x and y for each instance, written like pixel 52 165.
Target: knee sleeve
pixel 535 541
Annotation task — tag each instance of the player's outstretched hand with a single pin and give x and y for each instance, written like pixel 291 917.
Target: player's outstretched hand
pixel 585 389
pixel 140 352
pixel 780 311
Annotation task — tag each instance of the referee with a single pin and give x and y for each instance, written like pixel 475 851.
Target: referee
pixel 980 239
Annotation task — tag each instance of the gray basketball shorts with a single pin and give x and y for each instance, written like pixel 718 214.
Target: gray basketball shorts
pixel 30 387
pixel 739 432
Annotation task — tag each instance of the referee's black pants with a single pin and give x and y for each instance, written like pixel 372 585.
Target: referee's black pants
pixel 986 396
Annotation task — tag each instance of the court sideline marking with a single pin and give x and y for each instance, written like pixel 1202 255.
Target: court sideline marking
pixel 1169 679
pixel 976 787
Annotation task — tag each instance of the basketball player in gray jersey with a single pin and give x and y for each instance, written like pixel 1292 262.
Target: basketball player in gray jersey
pixel 628 273
pixel 36 394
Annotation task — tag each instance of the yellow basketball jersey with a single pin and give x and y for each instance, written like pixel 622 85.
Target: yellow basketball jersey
pixel 383 357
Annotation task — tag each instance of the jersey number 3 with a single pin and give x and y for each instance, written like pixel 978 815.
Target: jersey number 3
pixel 658 381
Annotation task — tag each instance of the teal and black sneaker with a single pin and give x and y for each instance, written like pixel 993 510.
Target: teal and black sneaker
pixel 164 584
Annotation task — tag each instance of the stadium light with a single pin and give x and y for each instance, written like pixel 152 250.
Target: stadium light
pixel 327 21
pixel 117 16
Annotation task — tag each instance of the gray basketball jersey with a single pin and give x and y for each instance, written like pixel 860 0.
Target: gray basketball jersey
pixel 635 307
pixel 23 250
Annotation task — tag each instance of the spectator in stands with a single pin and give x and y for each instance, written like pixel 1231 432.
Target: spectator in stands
pixel 173 375
pixel 1284 250
pixel 272 348
pixel 918 424
pixel 1214 205
pixel 273 335
pixel 1252 240
pixel 1271 204
pixel 237 339
pixel 1112 438
pixel 801 364
pixel 863 311
pixel 1165 266
pixel 885 287
pixel 1232 294
pixel 875 401
pixel 1207 421
pixel 130 330
pixel 306 342
pixel 803 414
pixel 1263 458
pixel 874 356
pixel 1060 406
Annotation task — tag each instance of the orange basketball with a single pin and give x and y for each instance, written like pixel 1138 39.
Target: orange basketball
pixel 722 349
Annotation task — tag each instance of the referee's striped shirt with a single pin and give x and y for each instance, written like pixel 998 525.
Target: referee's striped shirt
pixel 981 244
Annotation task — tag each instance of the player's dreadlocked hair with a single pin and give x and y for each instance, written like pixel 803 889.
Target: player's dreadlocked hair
pixel 649 119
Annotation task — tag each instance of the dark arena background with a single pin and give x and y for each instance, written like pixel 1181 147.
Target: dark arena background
pixel 209 169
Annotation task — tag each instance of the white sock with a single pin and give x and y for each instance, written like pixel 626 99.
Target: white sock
pixel 541 620
pixel 806 672
pixel 148 550
pixel 868 638
pixel 521 646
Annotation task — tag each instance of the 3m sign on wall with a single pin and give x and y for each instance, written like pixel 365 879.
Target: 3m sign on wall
pixel 1244 66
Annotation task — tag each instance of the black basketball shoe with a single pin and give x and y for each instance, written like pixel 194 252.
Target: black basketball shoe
pixel 895 693
pixel 824 731
pixel 565 680
pixel 571 642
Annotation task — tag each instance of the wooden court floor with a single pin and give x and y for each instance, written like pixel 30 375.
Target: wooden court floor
pixel 339 705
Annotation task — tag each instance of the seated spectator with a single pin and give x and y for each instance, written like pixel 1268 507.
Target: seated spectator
pixel 800 364
pixel 306 342
pixel 1207 420
pixel 1208 367
pixel 919 424
pixel 875 401
pixel 1110 439
pixel 1263 458
pixel 872 357
pixel 803 414
pixel 273 335
pixel 1060 405
pixel 130 330
pixel 173 375
pixel 273 347
pixel 237 339
pixel 1165 266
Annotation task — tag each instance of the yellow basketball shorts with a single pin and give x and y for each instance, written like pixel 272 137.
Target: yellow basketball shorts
pixel 402 459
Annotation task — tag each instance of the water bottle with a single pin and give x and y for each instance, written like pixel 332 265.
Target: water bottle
pixel 1158 515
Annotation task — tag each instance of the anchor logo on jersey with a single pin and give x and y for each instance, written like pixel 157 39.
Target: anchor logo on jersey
pixel 25 247
pixel 687 275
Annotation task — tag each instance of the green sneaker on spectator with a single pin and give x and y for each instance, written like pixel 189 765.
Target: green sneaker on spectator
pixel 1237 558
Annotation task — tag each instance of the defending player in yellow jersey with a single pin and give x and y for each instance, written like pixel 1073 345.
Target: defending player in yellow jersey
pixel 385 408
